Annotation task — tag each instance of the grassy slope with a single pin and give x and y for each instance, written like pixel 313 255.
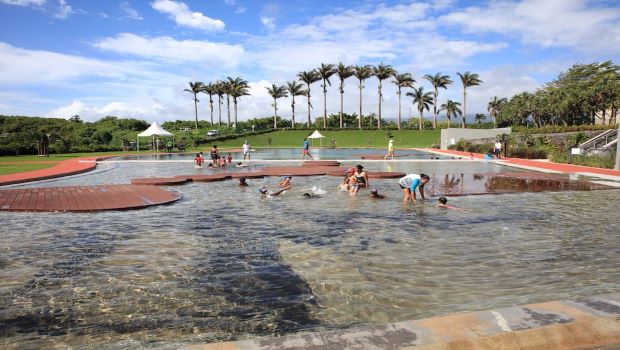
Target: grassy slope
pixel 348 138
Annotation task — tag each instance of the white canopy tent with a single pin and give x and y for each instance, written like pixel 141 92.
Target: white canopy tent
pixel 317 135
pixel 154 130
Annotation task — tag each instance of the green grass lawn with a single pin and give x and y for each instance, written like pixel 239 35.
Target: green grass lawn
pixel 18 168
pixel 345 138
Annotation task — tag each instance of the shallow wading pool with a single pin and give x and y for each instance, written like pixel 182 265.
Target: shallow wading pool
pixel 223 264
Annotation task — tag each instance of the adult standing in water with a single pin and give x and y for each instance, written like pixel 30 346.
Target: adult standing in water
pixel 215 155
pixel 410 182
pixel 306 150
pixel 246 150
pixel 390 149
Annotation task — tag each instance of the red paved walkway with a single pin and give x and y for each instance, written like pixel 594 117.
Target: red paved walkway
pixel 64 168
pixel 561 167
pixel 85 198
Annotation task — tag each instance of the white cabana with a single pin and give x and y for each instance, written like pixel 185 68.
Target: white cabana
pixel 154 130
pixel 317 135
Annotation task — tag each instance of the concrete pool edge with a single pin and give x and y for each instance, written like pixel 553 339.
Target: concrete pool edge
pixel 587 323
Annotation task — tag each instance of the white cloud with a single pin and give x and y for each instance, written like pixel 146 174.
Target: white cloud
pixel 64 10
pixel 171 50
pixel 183 16
pixel 75 108
pixel 268 22
pixel 25 3
pixel 130 12
pixel 578 24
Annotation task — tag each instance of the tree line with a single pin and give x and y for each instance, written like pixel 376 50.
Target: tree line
pixel 237 87
pixel 583 94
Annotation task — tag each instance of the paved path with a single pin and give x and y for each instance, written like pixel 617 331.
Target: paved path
pixel 85 198
pixel 537 164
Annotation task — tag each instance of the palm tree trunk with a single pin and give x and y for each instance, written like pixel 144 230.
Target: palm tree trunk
pixel 196 110
pixel 235 101
pixel 219 109
pixel 463 125
pixel 211 106
pixel 399 112
pixel 308 106
pixel 380 98
pixel 324 105
pixel 275 114
pixel 435 110
pixel 228 108
pixel 341 106
pixel 421 121
pixel 360 117
pixel 293 116
pixel 448 116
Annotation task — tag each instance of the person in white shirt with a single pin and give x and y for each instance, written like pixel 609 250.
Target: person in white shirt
pixel 498 149
pixel 246 150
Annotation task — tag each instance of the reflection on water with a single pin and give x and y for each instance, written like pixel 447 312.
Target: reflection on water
pixel 224 264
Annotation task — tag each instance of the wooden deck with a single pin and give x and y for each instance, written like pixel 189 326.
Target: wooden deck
pixel 85 198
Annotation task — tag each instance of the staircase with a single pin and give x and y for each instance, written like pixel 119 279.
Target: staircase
pixel 601 143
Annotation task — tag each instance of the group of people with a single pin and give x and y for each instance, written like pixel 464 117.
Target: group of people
pixel 217 161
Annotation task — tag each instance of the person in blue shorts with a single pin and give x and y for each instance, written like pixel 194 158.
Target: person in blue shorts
pixel 410 183
pixel 306 150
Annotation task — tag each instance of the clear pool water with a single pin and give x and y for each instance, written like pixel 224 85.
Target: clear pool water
pixel 291 153
pixel 223 264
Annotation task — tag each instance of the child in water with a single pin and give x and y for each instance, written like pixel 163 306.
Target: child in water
pixel 374 193
pixel 229 158
pixel 198 160
pixel 264 192
pixel 443 203
pixel 242 182
pixel 286 182
pixel 222 162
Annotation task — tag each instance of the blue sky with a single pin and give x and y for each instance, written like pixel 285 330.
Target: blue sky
pixel 129 58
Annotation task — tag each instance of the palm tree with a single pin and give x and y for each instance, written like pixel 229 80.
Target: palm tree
pixel 423 100
pixel 210 90
pixel 219 91
pixel 309 77
pixel 237 87
pixel 495 106
pixel 480 117
pixel 438 81
pixel 452 109
pixel 325 71
pixel 276 92
pixel 468 79
pixel 227 87
pixel 382 72
pixel 195 88
pixel 362 73
pixel 294 89
pixel 343 72
pixel 402 81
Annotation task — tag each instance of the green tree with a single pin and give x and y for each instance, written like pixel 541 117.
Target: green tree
pixel 294 89
pixel 343 72
pixel 325 71
pixel 362 73
pixel 195 88
pixel 403 80
pixel 494 106
pixel 220 91
pixel 438 81
pixel 382 72
pixel 237 88
pixel 452 109
pixel 276 92
pixel 210 89
pixel 309 77
pixel 480 117
pixel 467 79
pixel 423 100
